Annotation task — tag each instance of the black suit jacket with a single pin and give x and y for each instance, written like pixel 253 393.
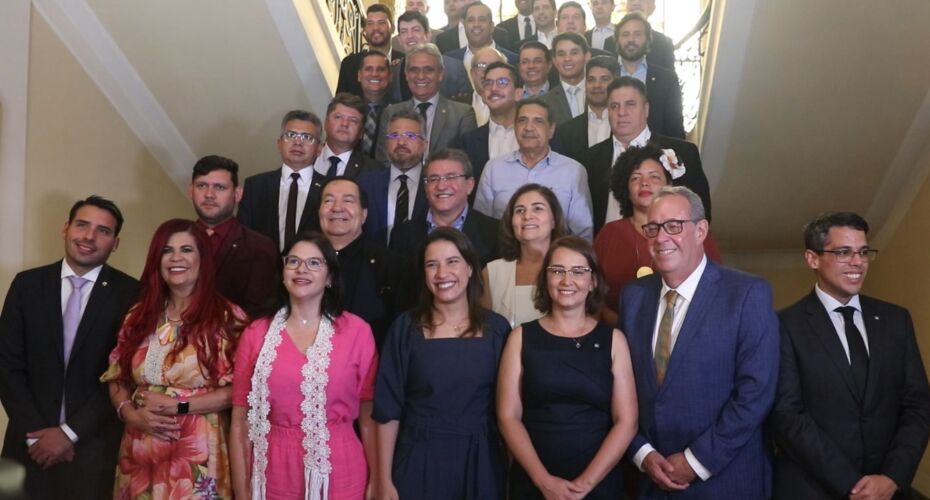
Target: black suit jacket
pixel 375 185
pixel 610 45
pixel 480 229
pixel 664 96
pixel 661 52
pixel 571 138
pixel 448 40
pixel 827 436
pixel 382 290
pixel 33 381
pixel 514 32
pixel 476 146
pixel 246 265
pixel 598 164
pixel 348 72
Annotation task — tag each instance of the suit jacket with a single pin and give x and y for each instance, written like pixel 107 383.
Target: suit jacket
pixel 480 229
pixel 664 96
pixel 451 120
pixel 514 33
pixel 258 209
pixel 719 385
pixel 559 109
pixel 459 55
pixel 348 72
pixel 245 269
pixel 33 380
pixel 598 164
pixel 448 40
pixel 661 52
pixel 828 437
pixel 476 146
pixel 571 138
pixel 375 185
pixel 610 44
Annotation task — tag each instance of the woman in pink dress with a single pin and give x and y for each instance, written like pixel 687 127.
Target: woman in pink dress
pixel 302 377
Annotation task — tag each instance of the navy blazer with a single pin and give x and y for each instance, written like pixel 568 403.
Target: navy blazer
pixel 664 95
pixel 480 229
pixel 375 185
pixel 828 435
pixel 571 138
pixel 475 144
pixel 720 382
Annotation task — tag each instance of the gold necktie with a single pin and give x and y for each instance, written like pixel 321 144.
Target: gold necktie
pixel 664 340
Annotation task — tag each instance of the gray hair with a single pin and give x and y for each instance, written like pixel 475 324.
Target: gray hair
pixel 452 154
pixel 697 206
pixel 427 48
pixel 301 115
pixel 409 114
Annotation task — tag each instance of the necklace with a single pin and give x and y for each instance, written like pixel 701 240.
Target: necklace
pixel 457 328
pixel 169 320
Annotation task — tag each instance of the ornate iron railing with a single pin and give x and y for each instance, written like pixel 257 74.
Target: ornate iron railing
pixel 689 64
pixel 347 16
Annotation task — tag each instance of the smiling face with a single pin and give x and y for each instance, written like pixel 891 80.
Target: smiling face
pixel 90 238
pixel 524 7
pixel 214 196
pixel 632 42
pixel 628 112
pixel 302 283
pixel 595 86
pixel 840 280
pixel 374 75
pixel 569 292
pixel 423 75
pixel 448 198
pixel 378 29
pixel 447 272
pixel 532 218
pixel 544 15
pixel 571 20
pixel 532 128
pixel 479 26
pixel 295 153
pixel 645 182
pixel 569 60
pixel 534 67
pixel 676 256
pixel 341 212
pixel 499 98
pixel 482 59
pixel 411 33
pixel 180 263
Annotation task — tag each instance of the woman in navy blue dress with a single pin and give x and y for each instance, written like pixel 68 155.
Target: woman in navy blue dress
pixel 566 397
pixel 434 395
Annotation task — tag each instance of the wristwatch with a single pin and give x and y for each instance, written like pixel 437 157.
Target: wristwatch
pixel 183 407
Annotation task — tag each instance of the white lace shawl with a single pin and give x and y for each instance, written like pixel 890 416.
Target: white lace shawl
pixel 313 386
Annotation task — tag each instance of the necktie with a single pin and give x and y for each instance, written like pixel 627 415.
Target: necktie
pixel 403 201
pixel 333 167
pixel 527 28
pixel 858 356
pixel 423 106
pixel 290 218
pixel 577 107
pixel 664 340
pixel 70 319
pixel 371 126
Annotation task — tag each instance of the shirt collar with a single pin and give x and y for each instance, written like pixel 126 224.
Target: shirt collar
pixel 89 275
pixel 458 224
pixel 592 115
pixel 546 160
pixel 542 90
pixel 643 66
pixel 322 162
pixel 413 173
pixel 305 174
pixel 432 100
pixel 830 303
pixel 638 141
pixel 494 127
pixel 688 287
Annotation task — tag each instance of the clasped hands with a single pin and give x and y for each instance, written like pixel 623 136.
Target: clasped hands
pixel 154 414
pixel 672 473
pixel 53 447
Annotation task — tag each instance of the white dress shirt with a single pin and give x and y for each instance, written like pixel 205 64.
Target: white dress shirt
pixel 521 23
pixel 501 139
pixel 598 126
pixel 546 38
pixel 600 34
pixel 413 185
pixel 303 187
pixel 839 324
pixel 482 112
pixel 321 165
pixel 686 291
pixel 463 40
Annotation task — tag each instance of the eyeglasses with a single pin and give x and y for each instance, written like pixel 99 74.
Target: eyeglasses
pixel 671 226
pixel 291 136
pixel 845 254
pixel 314 264
pixel 502 82
pixel 434 179
pixel 575 272
pixel 480 65
pixel 410 136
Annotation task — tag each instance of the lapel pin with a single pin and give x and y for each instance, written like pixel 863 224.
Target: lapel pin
pixel 875 317
pixel 597 346
pixel 103 283
pixel 372 261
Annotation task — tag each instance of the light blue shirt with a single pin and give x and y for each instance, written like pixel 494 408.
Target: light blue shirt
pixel 566 178
pixel 459 222
pixel 639 74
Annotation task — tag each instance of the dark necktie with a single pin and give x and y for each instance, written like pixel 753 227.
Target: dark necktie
pixel 371 127
pixel 527 28
pixel 423 106
pixel 858 355
pixel 403 201
pixel 290 219
pixel 333 167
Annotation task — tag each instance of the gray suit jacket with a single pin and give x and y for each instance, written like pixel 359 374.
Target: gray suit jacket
pixel 452 119
pixel 561 112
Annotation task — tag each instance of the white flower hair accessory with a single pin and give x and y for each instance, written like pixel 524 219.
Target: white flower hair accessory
pixel 671 163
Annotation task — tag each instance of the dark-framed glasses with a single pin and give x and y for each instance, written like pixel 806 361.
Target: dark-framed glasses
pixel 671 226
pixel 434 179
pixel 502 82
pixel 410 136
pixel 291 136
pixel 845 254
pixel 574 272
pixel 315 264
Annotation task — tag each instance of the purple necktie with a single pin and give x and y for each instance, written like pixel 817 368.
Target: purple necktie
pixel 70 319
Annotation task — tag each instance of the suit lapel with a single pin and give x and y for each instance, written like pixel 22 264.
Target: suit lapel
pixel 271 191
pixel 51 296
pixel 439 123
pixel 354 166
pixel 875 332
pixel 822 328
pixel 647 326
pixel 99 296
pixel 704 296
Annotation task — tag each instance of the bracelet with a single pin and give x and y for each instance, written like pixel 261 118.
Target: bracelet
pixel 119 408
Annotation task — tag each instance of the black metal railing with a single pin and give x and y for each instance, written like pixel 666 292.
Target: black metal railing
pixel 347 16
pixel 689 64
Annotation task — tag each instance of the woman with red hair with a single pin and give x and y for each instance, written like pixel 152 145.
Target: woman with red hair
pixel 171 373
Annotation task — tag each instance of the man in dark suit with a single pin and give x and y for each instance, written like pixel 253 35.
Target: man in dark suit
pixel 376 79
pixel 58 326
pixel 521 27
pixel 395 194
pixel 628 112
pixel 449 182
pixel 246 261
pixel 501 91
pixel 852 412
pixel 601 36
pixel 479 28
pixel 456 38
pixel 704 345
pixel 445 119
pixel 633 38
pixel 567 99
pixel 575 136
pixel 372 277
pixel 343 128
pixel 378 26
pixel 544 12
pixel 662 48
pixel 421 7
pixel 281 202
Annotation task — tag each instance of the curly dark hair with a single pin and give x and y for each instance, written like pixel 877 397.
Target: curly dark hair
pixel 626 164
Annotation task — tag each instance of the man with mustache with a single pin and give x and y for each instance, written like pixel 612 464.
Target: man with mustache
pixel 662 48
pixel 378 25
pixel 535 162
pixel 58 326
pixel 634 36
pixel 246 261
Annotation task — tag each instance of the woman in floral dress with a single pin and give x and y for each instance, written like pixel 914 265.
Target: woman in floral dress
pixel 170 374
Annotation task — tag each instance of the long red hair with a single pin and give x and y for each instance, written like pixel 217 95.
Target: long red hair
pixel 208 320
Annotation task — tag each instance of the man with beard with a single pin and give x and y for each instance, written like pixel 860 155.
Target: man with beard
pixel 575 136
pixel 569 54
pixel 378 25
pixel 634 36
pixel 58 326
pixel 521 27
pixel 662 49
pixel 395 194
pixel 374 77
pixel 535 162
pixel 246 261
